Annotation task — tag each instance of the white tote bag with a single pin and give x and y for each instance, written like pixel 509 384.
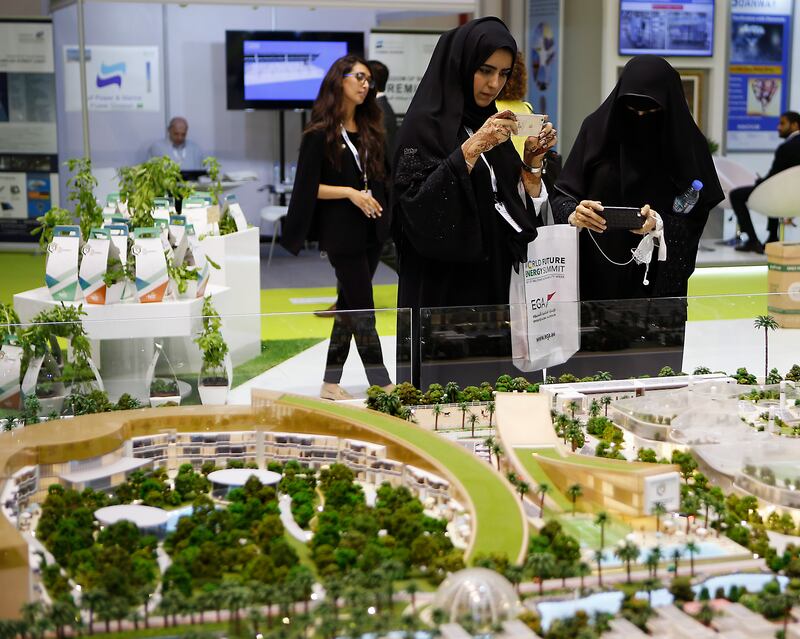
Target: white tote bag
pixel 545 303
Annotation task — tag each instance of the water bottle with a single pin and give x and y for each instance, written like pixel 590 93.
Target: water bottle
pixel 685 201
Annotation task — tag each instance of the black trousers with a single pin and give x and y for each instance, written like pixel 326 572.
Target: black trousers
pixel 354 287
pixel 738 198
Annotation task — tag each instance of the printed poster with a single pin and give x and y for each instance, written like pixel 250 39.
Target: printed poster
pixel 758 72
pixel 406 55
pixel 542 59
pixel 117 78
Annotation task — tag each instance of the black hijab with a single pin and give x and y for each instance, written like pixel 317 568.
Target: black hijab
pixel 444 103
pixel 650 147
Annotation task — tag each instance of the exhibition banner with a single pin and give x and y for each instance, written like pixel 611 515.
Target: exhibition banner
pixel 28 141
pixel 406 55
pixel 117 78
pixel 758 72
pixel 543 58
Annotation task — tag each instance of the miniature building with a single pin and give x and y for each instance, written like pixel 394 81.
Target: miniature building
pixel 480 594
pixel 671 623
pixel 150 520
pixel 223 481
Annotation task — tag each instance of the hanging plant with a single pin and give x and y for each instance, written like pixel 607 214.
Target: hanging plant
pixel 213 347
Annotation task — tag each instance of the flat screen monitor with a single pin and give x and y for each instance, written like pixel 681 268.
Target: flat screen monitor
pixel 282 69
pixel 666 28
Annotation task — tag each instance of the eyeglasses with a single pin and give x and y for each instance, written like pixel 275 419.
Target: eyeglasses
pixel 361 78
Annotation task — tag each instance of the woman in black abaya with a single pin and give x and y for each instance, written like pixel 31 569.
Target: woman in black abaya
pixel 640 147
pixel 458 235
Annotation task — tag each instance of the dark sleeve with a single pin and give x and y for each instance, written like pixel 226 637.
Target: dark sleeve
pixel 780 162
pixel 562 206
pixel 304 193
pixel 436 207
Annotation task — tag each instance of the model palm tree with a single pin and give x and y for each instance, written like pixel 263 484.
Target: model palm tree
pixel 462 406
pixel 437 410
pixel 584 570
pixel 601 520
pixel 412 589
pixel 497 450
pixel 540 565
pixel 594 408
pixel 652 561
pixel 573 406
pixel 676 558
pixel 523 488
pixel 542 489
pixel 490 408
pixel 473 419
pixel 768 323
pixel 628 553
pixel 692 548
pixel 574 492
pixel 658 511
pixel 605 400
pixel 598 557
pixel 489 443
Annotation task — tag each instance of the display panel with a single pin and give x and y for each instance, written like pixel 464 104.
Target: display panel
pixel 282 69
pixel 666 28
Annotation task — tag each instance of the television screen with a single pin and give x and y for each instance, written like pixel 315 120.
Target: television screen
pixel 666 28
pixel 282 69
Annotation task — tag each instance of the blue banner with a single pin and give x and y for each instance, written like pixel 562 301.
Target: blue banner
pixel 758 72
pixel 543 56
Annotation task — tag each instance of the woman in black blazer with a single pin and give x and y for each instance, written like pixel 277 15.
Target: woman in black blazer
pixel 339 199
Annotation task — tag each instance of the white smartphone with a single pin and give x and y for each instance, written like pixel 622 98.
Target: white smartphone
pixel 529 124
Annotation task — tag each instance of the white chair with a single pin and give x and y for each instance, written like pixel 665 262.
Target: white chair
pixel 732 175
pixel 778 196
pixel 273 215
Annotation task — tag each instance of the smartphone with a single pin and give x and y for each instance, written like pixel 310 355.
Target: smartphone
pixel 625 218
pixel 529 124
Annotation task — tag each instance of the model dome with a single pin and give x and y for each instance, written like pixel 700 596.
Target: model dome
pixel 479 594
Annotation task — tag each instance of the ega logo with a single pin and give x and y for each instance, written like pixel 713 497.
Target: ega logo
pixel 542 302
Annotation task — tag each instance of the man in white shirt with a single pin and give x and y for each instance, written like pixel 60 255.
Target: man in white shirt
pixel 176 147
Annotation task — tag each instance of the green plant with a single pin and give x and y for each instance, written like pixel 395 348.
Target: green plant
pixel 9 322
pixel 81 193
pixel 163 387
pixel 212 345
pixel 117 272
pixel 713 145
pixel 182 274
pixel 212 168
pixel 142 183
pixel 40 338
pixel 48 222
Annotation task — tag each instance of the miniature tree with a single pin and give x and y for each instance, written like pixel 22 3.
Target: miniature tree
pixel 462 406
pixel 658 510
pixel 602 520
pixel 523 488
pixel 598 557
pixel 605 400
pixel 497 450
pixel 652 561
pixel 628 552
pixel 584 570
pixel 540 565
pixel 473 419
pixel 542 489
pixel 691 548
pixel 768 323
pixel 574 492
pixel 573 406
pixel 437 410
pixel 490 408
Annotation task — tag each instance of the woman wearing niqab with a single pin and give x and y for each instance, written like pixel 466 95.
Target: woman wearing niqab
pixel 640 147
pixel 455 247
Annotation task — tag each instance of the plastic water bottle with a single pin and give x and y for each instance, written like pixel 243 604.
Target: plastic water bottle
pixel 685 201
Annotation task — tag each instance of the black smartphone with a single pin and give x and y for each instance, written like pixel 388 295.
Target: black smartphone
pixel 624 218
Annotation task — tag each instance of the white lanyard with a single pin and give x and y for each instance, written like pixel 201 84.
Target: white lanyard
pixel 498 205
pixel 489 166
pixel 354 151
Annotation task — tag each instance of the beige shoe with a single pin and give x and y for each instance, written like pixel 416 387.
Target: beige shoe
pixel 334 392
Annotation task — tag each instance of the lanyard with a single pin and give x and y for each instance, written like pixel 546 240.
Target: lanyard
pixel 354 151
pixel 489 166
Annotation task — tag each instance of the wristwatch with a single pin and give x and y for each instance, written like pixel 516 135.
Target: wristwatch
pixel 535 170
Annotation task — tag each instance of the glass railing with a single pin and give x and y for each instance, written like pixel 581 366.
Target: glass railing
pixel 616 339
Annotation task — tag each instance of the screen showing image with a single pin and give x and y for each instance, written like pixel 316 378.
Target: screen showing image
pixel 670 29
pixel 284 70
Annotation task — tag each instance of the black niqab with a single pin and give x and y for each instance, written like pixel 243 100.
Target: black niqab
pixel 667 144
pixel 444 103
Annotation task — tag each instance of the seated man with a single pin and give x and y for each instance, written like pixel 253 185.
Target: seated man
pixel 787 155
pixel 176 147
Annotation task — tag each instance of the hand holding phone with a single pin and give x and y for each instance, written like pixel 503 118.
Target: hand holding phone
pixel 625 218
pixel 529 124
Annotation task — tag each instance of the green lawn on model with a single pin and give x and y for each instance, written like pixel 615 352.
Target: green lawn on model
pixel 583 528
pixel 500 525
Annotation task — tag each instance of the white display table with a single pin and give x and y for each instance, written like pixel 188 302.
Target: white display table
pixel 123 335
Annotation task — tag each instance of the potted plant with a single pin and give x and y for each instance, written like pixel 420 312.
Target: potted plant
pixel 216 371
pixel 185 277
pixel 49 373
pixel 141 184
pixel 164 390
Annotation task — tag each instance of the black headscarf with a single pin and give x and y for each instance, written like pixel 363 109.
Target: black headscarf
pixel 444 103
pixel 649 148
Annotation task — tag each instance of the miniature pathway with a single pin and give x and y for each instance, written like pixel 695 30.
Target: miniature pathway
pixel 291 526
